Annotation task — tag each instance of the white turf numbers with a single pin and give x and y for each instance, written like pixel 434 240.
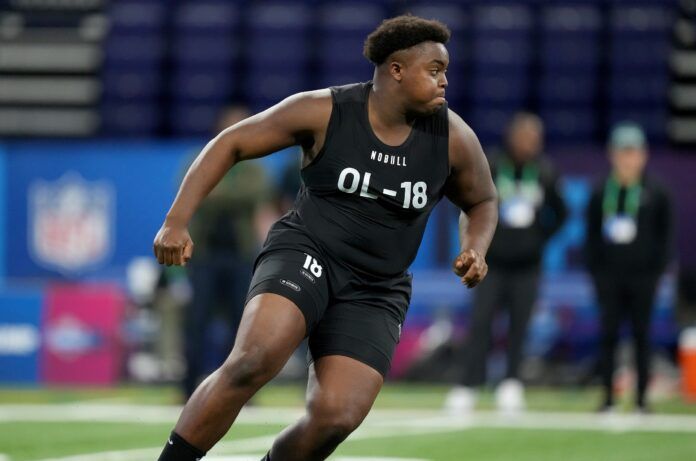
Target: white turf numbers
pixel 415 195
pixel 313 266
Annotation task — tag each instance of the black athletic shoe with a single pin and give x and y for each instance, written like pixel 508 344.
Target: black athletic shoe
pixel 606 409
pixel 644 409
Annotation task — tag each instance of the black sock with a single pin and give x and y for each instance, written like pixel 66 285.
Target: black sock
pixel 178 449
pixel 608 399
pixel 640 401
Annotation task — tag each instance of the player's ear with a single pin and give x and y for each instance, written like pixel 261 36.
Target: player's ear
pixel 396 70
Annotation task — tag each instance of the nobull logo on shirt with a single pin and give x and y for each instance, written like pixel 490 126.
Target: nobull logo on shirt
pixel 398 160
pixel 71 222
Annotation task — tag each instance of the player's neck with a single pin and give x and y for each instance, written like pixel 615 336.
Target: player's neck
pixel 383 107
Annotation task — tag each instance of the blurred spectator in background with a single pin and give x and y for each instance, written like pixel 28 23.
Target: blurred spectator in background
pixel 285 193
pixel 227 234
pixel 629 243
pixel 530 210
pixel 686 297
pixel 290 184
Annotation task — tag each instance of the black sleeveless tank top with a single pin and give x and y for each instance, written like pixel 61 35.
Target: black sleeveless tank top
pixel 363 202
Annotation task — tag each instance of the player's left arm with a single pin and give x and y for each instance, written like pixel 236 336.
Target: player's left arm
pixel 470 187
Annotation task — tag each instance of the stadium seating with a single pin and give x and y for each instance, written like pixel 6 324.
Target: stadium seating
pixel 581 64
pixel 638 72
pixel 277 51
pixel 502 54
pixel 133 76
pixel 343 27
pixel 204 56
pixel 570 62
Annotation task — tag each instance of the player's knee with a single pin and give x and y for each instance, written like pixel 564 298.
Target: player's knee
pixel 335 417
pixel 247 369
pixel 336 428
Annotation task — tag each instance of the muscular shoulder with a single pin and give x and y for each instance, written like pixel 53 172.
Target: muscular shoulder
pixel 304 116
pixel 462 140
pixel 299 119
pixel 315 99
pixel 311 108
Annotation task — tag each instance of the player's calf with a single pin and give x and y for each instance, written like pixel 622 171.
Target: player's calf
pixel 332 415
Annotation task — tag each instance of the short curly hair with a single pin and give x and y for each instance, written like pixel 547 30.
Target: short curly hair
pixel 402 32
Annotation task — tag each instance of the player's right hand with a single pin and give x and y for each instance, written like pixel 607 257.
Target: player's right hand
pixel 173 245
pixel 471 267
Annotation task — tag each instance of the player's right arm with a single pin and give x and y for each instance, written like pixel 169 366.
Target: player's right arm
pixel 300 119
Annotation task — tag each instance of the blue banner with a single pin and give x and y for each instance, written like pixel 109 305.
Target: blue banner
pixel 20 335
pixel 84 210
pixel 3 210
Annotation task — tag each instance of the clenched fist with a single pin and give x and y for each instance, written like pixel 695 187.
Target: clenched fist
pixel 173 245
pixel 471 267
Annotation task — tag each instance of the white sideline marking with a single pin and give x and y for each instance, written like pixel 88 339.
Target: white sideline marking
pixel 144 414
pixel 379 424
pixel 554 421
pixel 260 444
pixel 414 419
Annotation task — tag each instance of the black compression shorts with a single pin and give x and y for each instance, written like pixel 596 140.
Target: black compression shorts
pixel 345 313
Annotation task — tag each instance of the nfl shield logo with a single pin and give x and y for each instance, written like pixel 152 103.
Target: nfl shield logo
pixel 70 223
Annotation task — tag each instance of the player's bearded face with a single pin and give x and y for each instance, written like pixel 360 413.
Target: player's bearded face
pixel 424 79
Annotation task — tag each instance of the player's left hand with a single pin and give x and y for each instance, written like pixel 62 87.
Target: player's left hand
pixel 471 267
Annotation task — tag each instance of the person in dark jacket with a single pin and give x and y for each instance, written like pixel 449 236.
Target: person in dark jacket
pixel 629 242
pixel 531 210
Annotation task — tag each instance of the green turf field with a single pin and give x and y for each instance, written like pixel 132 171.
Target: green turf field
pixel 131 423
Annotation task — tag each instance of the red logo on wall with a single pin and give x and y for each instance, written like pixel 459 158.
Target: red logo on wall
pixel 82 325
pixel 71 222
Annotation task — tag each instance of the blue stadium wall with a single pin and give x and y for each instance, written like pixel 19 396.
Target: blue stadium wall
pixel 126 188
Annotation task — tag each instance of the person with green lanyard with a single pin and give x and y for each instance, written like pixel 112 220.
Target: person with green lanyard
pixel 629 244
pixel 530 210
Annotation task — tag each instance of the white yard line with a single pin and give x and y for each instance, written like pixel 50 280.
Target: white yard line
pixel 555 421
pixel 252 444
pixel 120 455
pixel 416 419
pixel 379 424
pixel 135 454
pixel 143 414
